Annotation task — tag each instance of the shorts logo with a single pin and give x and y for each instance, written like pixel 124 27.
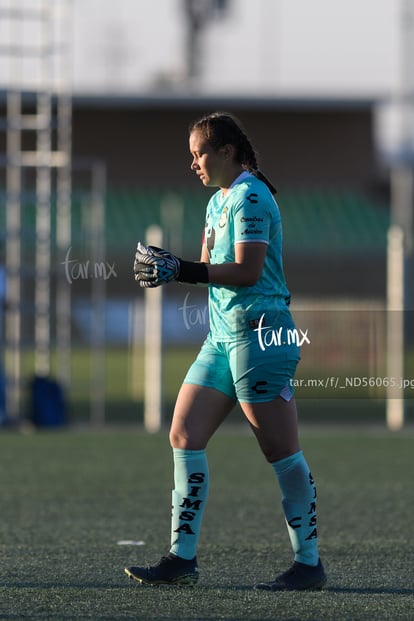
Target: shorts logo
pixel 257 389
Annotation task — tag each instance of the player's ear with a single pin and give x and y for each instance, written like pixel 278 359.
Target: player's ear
pixel 228 151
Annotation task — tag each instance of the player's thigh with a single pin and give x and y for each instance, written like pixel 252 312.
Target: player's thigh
pixel 205 398
pixel 275 426
pixel 198 412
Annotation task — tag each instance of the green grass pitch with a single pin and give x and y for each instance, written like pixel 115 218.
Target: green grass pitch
pixel 68 498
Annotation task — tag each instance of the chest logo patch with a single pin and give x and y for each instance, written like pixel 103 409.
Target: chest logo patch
pixel 223 218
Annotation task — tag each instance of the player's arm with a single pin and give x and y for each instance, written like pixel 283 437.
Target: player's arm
pixel 246 269
pixel 204 255
pixel 156 266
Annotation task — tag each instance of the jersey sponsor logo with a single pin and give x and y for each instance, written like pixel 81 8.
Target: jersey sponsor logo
pixel 251 232
pixel 252 198
pixel 252 225
pixel 253 219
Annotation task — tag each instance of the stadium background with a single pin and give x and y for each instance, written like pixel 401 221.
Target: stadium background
pixel 321 149
pixel 99 95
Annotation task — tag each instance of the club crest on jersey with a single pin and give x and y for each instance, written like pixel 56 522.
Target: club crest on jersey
pixel 223 218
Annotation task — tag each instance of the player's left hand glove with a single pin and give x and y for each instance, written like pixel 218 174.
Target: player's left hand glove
pixel 154 266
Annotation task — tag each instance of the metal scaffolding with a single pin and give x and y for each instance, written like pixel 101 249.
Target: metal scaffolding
pixel 38 145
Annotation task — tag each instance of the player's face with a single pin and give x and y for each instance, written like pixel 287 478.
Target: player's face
pixel 209 165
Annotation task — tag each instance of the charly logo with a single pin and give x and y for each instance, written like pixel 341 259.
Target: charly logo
pixel 269 337
pixel 83 270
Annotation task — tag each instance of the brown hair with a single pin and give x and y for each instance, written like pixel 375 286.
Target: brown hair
pixel 221 128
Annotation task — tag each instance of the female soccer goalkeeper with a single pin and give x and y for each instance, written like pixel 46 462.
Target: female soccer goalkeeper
pixel 249 355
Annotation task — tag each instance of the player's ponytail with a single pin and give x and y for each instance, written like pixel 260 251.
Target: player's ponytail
pixel 258 173
pixel 221 128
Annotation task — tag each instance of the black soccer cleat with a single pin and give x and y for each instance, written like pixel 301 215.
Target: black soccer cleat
pixel 299 577
pixel 170 569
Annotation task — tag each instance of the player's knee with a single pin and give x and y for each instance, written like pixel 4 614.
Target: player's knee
pixel 179 439
pixel 175 438
pixel 273 456
pixel 182 440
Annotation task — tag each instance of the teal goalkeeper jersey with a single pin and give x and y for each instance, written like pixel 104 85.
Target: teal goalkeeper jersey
pixel 248 213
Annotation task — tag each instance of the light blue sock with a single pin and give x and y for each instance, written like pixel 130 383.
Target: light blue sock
pixel 191 484
pixel 299 504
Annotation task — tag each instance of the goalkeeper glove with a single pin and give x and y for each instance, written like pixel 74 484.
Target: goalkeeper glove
pixel 155 266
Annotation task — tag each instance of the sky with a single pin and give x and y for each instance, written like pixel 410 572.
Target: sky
pixel 279 48
pixel 345 46
pixel 271 46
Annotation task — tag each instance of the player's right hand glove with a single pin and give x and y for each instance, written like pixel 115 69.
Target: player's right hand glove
pixel 155 266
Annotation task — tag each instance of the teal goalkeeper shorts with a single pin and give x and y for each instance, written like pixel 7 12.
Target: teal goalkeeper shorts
pixel 245 370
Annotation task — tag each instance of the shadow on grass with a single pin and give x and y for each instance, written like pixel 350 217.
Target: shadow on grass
pixel 370 590
pixel 57 585
pixel 212 587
